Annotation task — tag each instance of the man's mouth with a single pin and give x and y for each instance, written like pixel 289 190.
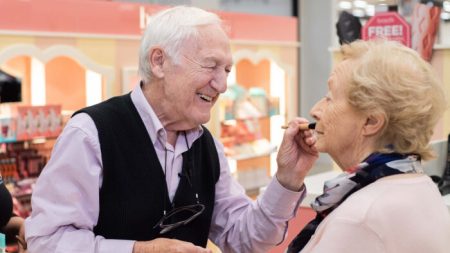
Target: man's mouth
pixel 205 97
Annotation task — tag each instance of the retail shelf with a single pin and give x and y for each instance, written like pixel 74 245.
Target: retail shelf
pixel 267 151
pixel 233 120
pixel 34 140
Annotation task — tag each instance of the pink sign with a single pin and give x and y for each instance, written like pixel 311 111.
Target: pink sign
pixel 126 18
pixel 388 25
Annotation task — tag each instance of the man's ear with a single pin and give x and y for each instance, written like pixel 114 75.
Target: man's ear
pixel 156 60
pixel 374 124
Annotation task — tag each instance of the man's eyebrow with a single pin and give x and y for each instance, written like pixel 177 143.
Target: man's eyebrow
pixel 214 58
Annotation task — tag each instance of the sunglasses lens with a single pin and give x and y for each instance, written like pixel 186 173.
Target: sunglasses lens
pixel 179 216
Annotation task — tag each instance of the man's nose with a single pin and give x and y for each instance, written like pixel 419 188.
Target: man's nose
pixel 219 83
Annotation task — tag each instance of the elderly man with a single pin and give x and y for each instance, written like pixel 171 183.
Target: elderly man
pixel 139 173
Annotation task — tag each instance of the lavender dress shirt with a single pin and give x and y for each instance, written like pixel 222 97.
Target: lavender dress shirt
pixel 65 200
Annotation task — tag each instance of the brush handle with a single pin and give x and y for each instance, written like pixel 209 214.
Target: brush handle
pixel 303 126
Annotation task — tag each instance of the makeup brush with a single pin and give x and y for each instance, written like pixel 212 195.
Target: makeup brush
pixel 304 126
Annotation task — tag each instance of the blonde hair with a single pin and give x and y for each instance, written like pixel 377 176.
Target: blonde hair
pixel 393 80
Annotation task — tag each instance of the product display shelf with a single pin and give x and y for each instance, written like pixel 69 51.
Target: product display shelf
pixel 268 151
pixel 245 135
pixel 250 162
pixel 249 112
pixel 27 137
pixel 21 162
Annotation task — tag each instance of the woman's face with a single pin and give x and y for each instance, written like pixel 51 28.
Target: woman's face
pixel 339 125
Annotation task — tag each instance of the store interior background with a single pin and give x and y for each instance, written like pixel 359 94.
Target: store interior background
pixel 291 68
pixel 318 41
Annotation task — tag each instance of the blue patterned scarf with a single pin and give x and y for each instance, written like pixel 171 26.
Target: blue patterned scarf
pixel 336 190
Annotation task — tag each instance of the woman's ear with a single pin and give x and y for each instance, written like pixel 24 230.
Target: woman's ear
pixel 156 60
pixel 374 124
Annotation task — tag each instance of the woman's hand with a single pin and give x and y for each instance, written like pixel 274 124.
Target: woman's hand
pixel 296 155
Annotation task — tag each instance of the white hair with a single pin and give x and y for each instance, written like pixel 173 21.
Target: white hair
pixel 169 29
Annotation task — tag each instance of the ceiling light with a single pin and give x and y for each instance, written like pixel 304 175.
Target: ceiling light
pixel 358 13
pixel 360 4
pixel 446 6
pixel 345 5
pixel 370 10
pixel 445 15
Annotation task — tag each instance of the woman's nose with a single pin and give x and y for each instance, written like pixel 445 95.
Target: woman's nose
pixel 316 110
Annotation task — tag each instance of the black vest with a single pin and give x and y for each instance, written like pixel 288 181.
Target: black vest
pixel 134 186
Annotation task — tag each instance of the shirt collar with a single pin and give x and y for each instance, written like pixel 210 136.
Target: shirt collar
pixel 152 123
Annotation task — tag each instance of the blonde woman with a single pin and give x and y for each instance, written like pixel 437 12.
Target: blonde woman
pixel 376 122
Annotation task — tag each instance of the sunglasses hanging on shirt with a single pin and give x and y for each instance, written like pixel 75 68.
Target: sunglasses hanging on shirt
pixel 180 216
